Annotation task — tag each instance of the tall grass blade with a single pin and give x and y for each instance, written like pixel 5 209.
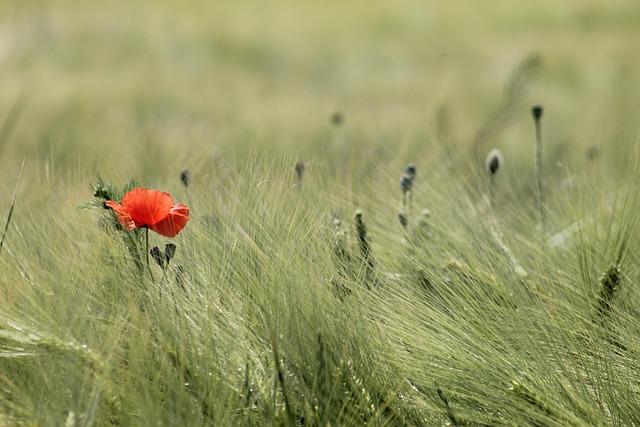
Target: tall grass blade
pixel 12 118
pixel 13 204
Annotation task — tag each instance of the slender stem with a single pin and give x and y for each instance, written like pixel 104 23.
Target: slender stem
pixel 492 202
pixel 164 273
pixel 146 235
pixel 13 203
pixel 540 190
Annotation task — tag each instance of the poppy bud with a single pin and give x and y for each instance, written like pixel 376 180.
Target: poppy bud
pixel 299 169
pixel 410 171
pixel 169 251
pixel 406 183
pixel 536 111
pixel 493 162
pixel 185 177
pixel 337 118
pixel 157 256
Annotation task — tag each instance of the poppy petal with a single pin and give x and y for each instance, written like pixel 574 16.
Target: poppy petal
pixel 124 218
pixel 147 207
pixel 174 222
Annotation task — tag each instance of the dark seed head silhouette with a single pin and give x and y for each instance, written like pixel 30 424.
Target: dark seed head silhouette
pixel 410 171
pixel 337 118
pixel 537 111
pixel 169 251
pixel 185 177
pixel 157 256
pixel 494 162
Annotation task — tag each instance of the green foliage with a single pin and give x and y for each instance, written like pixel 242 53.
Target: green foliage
pixel 279 306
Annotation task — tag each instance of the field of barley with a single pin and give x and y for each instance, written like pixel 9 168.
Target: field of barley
pixel 382 213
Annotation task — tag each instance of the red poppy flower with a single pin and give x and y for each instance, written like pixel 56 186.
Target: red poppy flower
pixel 152 209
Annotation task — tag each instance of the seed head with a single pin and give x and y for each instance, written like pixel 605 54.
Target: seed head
pixel 185 177
pixel 180 275
pixel 157 255
pixel 365 245
pixel 361 231
pixel 493 162
pixel 536 111
pixel 610 282
pixel 336 220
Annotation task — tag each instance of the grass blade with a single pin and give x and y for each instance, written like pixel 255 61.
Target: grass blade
pixel 12 118
pixel 13 204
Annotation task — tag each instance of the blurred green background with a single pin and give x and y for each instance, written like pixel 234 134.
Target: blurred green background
pixel 144 89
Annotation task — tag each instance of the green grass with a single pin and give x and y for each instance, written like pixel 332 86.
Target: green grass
pixel 270 313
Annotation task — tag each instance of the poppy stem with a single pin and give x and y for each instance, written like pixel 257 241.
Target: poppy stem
pixel 146 235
